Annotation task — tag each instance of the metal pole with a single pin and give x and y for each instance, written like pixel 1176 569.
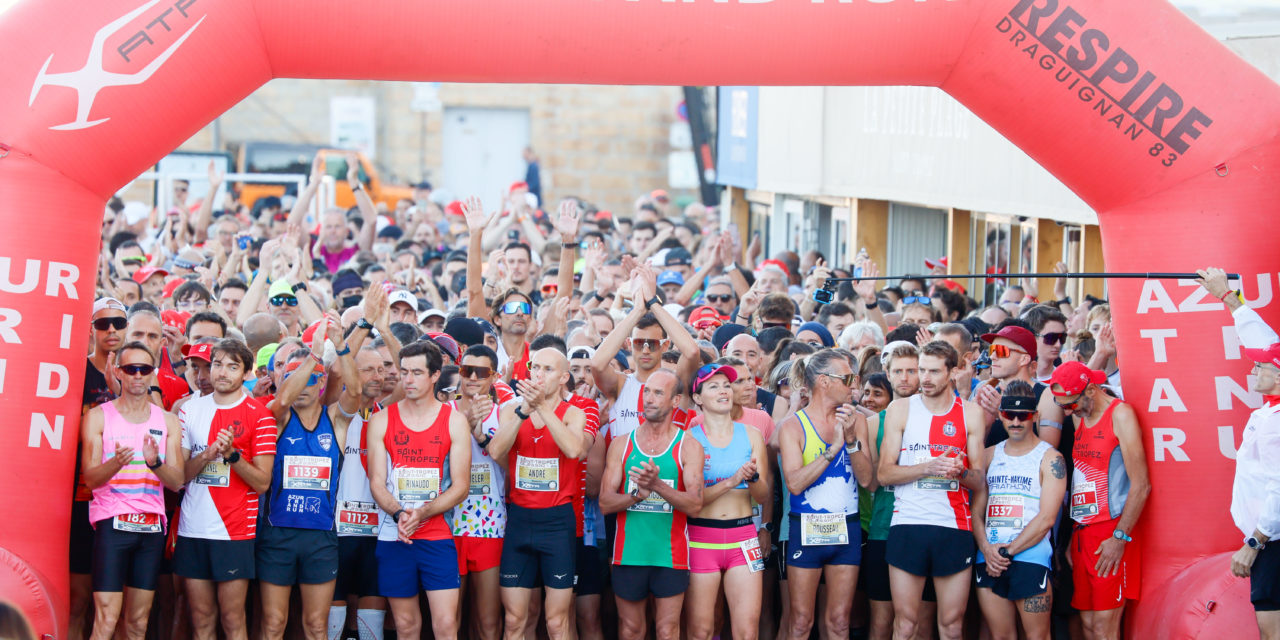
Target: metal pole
pixel 1150 275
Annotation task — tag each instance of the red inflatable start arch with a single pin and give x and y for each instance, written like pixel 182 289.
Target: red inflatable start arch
pixel 1166 133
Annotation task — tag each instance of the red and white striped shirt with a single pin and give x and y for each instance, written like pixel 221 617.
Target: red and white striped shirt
pixel 219 504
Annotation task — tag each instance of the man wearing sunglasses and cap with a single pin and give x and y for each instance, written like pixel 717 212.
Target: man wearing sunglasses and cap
pixel 1255 492
pixel 1109 488
pixel 1026 481
pixel 298 543
pixel 131 452
pixel 513 317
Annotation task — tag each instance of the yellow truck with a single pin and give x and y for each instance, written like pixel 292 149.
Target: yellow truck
pixel 288 158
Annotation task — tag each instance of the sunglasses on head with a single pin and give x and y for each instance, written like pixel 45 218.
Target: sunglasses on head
pixel 185 264
pixel 137 369
pixel 550 289
pixel 1054 338
pixel 926 300
pixel 451 392
pixel 1003 351
pixel 102 324
pixel 283 300
pixel 476 371
pixel 646 344
pixel 512 308
pixel 848 379
pixel 715 299
pixel 1016 416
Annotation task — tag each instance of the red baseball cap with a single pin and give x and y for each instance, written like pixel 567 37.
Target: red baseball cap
pixel 660 195
pixel 703 315
pixel 518 185
pixel 454 208
pixel 1270 355
pixel 604 215
pixel 1071 378
pixel 198 351
pixel 310 332
pixel 952 285
pixel 174 318
pixel 1017 335
pixel 172 286
pixel 777 264
pixel 142 275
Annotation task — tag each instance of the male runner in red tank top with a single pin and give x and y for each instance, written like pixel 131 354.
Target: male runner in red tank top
pixel 1108 490
pixel 412 444
pixel 541 437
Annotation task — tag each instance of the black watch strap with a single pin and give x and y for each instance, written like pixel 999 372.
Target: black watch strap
pixel 234 457
pixel 159 463
pixel 652 301
pixel 872 305
pixel 396 516
pixel 520 414
pixel 155 389
pixel 364 324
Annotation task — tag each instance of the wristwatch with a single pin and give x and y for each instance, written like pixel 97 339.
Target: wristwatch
pixel 160 463
pixel 396 516
pixel 853 448
pixel 652 301
pixel 364 324
pixel 234 457
pixel 520 414
pixel 1004 552
pixel 1255 544
pixel 1119 534
pixel 346 348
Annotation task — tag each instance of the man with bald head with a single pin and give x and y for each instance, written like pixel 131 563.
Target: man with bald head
pixel 262 329
pixel 653 481
pixel 745 348
pixel 145 326
pixel 541 437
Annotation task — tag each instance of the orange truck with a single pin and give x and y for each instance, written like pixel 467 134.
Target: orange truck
pixel 288 158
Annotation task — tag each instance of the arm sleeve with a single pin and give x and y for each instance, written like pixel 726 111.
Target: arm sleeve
pixel 1254 333
pixel 1269 450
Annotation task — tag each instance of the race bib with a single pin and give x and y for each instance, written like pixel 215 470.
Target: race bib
pixel 481 480
pixel 1084 500
pixel 137 523
pixel 937 483
pixel 754 556
pixel 215 474
pixel 417 484
pixel 357 518
pixel 652 503
pixel 1004 511
pixel 308 473
pixel 537 474
pixel 818 529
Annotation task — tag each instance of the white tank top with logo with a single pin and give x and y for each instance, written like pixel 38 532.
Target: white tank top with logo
pixel 357 514
pixel 937 501
pixel 483 513
pixel 1013 500
pixel 624 415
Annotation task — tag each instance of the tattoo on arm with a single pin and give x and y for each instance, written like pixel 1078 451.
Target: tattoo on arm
pixel 1037 604
pixel 1058 467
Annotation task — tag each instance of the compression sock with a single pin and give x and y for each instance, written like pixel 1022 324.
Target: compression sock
pixel 337 622
pixel 369 622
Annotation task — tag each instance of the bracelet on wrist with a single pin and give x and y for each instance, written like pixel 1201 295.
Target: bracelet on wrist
pixel 159 463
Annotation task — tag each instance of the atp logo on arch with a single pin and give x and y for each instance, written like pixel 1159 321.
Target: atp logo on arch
pixel 93 76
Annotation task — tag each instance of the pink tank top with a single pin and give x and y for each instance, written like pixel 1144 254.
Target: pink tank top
pixel 134 492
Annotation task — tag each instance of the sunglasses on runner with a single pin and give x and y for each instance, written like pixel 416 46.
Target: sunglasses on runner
pixel 645 344
pixel 280 301
pixel 137 369
pixel 1054 338
pixel 1068 406
pixel 707 324
pixel 714 299
pixel 926 300
pixel 102 324
pixel 512 308
pixel 770 325
pixel 848 379
pixel 1003 351
pixel 550 289
pixel 134 260
pixel 1017 416
pixel 476 371
pixel 451 392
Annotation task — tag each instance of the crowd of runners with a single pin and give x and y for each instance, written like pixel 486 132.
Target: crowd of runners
pixel 493 422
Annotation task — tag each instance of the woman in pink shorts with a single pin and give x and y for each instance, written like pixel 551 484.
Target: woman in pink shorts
pixel 724 544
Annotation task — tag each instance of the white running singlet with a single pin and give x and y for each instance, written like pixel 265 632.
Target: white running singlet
pixel 931 500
